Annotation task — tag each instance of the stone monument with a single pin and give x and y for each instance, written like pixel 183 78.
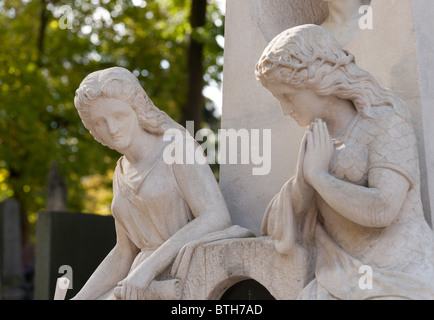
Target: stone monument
pixel 350 194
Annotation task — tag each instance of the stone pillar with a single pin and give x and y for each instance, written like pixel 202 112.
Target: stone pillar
pixel 423 13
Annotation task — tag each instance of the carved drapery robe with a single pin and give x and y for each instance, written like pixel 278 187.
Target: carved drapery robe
pixel 149 207
pixel 401 254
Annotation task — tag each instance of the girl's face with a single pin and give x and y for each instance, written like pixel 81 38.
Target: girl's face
pixel 115 123
pixel 303 105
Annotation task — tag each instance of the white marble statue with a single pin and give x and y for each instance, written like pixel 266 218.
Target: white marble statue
pixel 158 207
pixel 355 198
pixel 343 19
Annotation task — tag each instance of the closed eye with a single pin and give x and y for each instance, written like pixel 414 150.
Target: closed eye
pixel 120 116
pixel 99 122
pixel 287 97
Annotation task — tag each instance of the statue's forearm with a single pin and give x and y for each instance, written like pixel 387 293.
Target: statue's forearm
pixel 164 256
pixel 301 195
pixel 362 205
pixel 112 269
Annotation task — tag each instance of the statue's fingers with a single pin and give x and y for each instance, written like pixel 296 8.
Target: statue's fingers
pixel 320 141
pixel 124 290
pixel 325 135
pixel 309 142
pixel 316 135
pixel 302 150
pixel 118 292
pixel 329 142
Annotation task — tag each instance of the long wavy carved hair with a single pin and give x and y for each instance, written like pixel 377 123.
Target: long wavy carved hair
pixel 119 83
pixel 309 57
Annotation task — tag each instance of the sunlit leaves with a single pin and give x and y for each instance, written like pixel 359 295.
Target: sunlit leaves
pixel 38 120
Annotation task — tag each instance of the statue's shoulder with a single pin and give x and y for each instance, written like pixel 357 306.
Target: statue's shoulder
pixel 393 143
pixel 383 116
pixel 386 126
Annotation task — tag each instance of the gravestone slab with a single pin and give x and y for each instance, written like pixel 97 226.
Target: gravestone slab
pixel 75 240
pixel 11 266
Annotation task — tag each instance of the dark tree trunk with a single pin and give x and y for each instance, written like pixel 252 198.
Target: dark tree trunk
pixel 42 26
pixel 195 102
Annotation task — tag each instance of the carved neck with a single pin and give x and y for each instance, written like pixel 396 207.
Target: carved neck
pixel 339 116
pixel 142 148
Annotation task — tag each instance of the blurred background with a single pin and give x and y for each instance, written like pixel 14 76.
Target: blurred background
pixel 48 160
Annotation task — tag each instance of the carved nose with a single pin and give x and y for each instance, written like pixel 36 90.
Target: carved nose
pixel 112 128
pixel 289 111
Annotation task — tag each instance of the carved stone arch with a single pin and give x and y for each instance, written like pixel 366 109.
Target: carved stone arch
pixel 218 265
pixel 247 289
pixel 222 287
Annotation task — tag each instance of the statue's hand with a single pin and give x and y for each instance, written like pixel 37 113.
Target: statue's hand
pixel 134 286
pixel 300 181
pixel 319 152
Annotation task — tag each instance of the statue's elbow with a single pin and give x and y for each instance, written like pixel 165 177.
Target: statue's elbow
pixel 222 220
pixel 385 216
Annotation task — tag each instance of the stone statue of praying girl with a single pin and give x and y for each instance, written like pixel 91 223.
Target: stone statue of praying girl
pixel 354 200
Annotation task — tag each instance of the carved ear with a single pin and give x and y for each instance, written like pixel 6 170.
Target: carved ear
pixel 148 122
pixel 152 122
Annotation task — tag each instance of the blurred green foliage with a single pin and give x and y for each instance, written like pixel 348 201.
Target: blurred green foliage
pixel 42 64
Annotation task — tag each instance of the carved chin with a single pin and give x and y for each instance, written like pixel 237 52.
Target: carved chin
pixel 301 123
pixel 119 146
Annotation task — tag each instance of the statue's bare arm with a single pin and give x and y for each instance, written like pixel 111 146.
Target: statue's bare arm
pixel 112 269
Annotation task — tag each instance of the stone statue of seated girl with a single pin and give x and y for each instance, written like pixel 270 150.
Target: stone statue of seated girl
pixel 159 207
